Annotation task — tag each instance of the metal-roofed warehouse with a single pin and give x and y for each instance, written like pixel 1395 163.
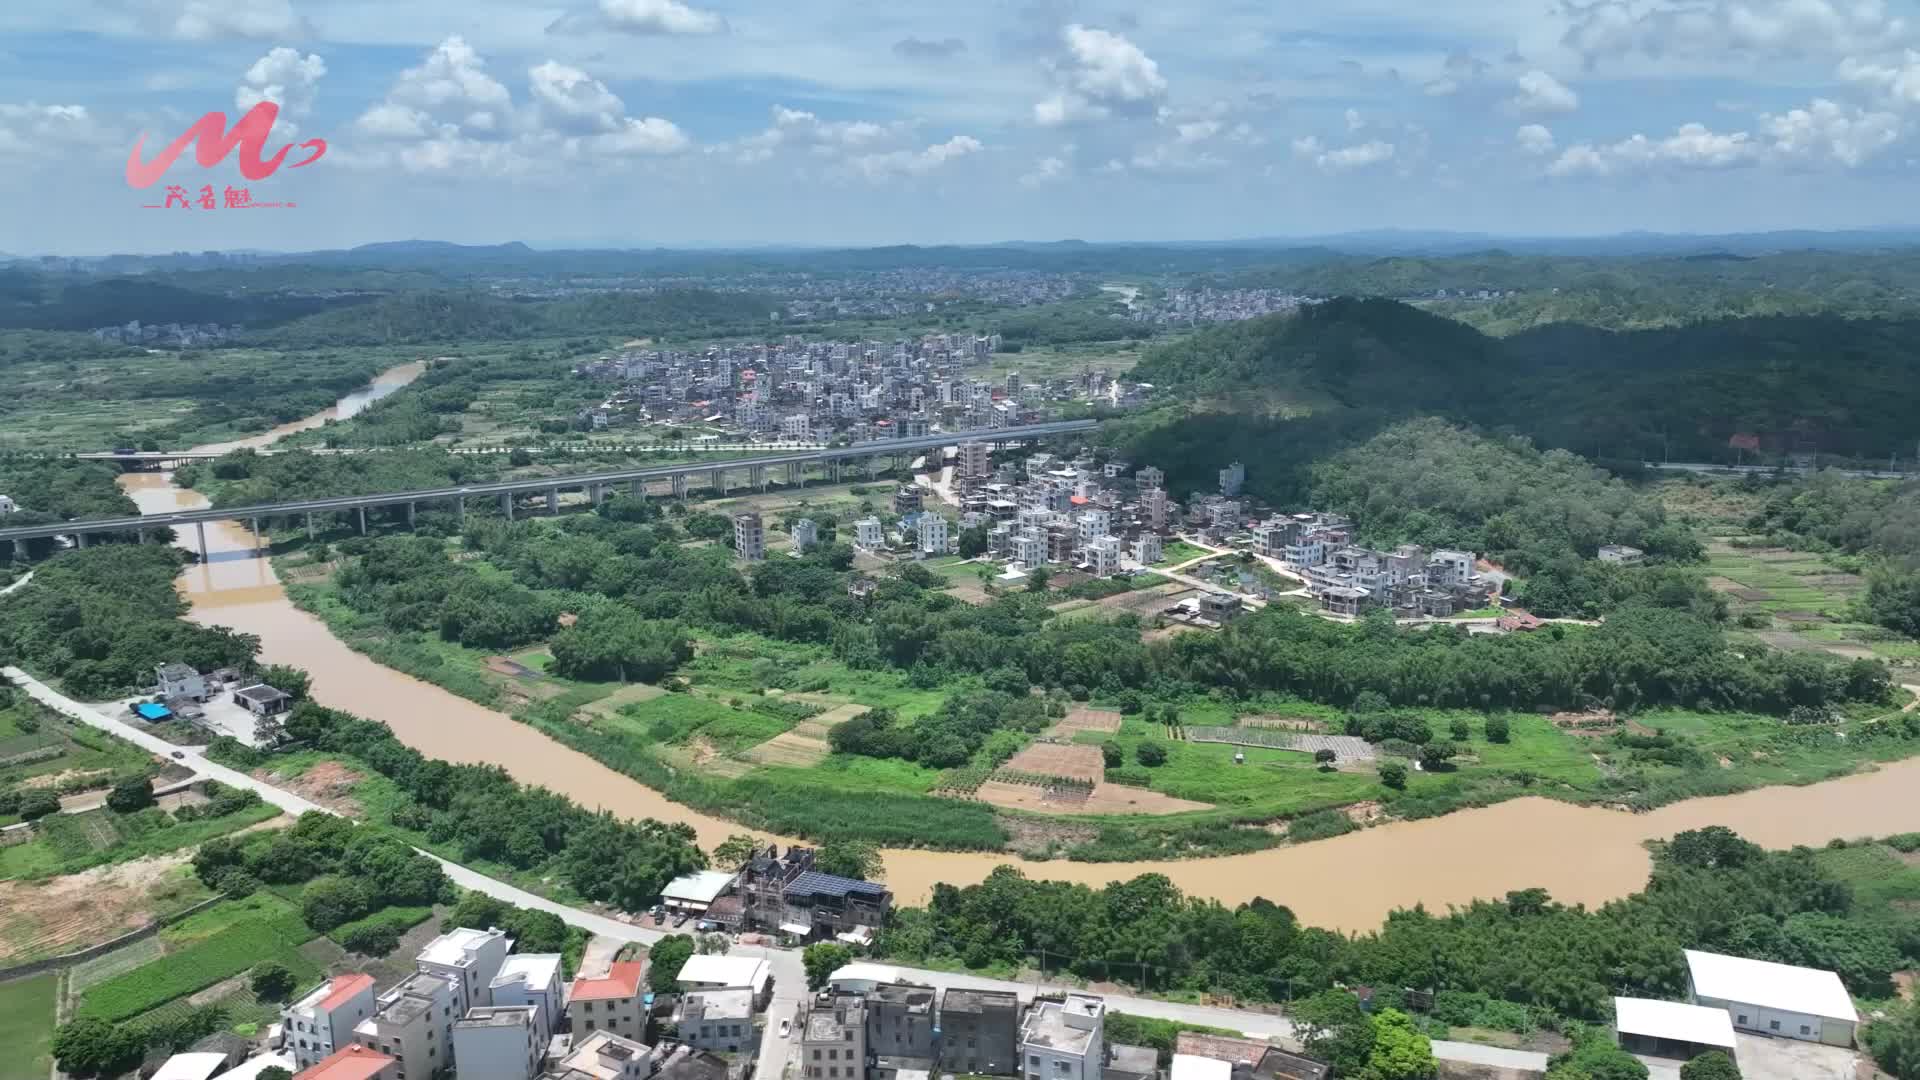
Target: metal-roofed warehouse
pixel 1774 999
pixel 1671 1029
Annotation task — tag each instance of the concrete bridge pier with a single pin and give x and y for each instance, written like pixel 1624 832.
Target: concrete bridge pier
pixel 639 488
pixel 833 471
pixel 254 523
pixel 758 477
pixel 796 474
pixel 873 467
pixel 553 500
pixel 679 485
pixel 80 541
pixel 410 510
pixel 506 505
pixel 201 528
pixel 142 534
pixel 718 481
pixel 19 551
pixel 310 528
pixel 460 511
pixel 363 520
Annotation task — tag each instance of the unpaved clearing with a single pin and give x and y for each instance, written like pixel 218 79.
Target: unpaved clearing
pixel 1080 718
pixel 328 783
pixel 1057 759
pixel 1105 799
pixel 626 695
pixel 71 912
pixel 806 745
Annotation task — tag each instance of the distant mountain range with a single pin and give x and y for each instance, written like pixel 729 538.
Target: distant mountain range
pixel 1067 252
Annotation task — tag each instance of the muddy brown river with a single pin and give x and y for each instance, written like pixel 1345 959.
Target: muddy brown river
pixel 1580 854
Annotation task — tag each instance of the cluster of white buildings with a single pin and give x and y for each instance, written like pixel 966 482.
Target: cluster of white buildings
pixel 1348 579
pixel 814 391
pixel 1102 518
pixel 474 1007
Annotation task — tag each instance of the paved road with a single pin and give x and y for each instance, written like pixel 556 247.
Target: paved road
pixel 18 585
pixel 788 973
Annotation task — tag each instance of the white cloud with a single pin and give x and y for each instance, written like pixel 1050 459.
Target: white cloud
pixel 1826 131
pixel 1444 86
pixel 207 20
pixel 1354 121
pixel 1897 79
pixel 646 136
pixel 1541 92
pixel 640 17
pixel 1344 158
pixel 1823 133
pixel 1050 168
pixel 1786 28
pixel 571 100
pixel 1534 139
pixel 915 163
pixel 1100 73
pixel 285 78
pixel 797 128
pixel 31 129
pixel 1693 146
pixel 450 88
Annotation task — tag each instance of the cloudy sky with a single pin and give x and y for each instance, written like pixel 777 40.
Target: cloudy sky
pixel 748 122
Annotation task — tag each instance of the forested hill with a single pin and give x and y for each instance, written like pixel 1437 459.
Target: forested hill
pixel 1846 387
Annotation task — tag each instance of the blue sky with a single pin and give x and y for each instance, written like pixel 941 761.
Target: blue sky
pixel 740 122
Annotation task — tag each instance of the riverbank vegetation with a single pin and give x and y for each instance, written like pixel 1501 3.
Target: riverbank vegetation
pixel 1665 708
pixel 100 620
pixel 1520 963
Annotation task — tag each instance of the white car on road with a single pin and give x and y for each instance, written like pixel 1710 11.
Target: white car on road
pixel 786 1027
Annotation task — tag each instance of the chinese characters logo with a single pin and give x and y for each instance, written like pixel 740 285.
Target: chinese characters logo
pixel 212 141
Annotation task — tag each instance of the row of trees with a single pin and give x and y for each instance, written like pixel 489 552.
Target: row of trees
pixel 1710 889
pixel 484 814
pixel 101 619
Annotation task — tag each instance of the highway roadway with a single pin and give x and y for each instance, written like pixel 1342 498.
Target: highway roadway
pixel 538 484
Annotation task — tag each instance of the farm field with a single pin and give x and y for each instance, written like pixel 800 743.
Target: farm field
pixel 49 750
pixel 26 1027
pixel 207 948
pixel 66 843
pixel 1803 600
pixel 63 914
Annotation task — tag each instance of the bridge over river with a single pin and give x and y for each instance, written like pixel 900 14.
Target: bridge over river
pixel 831 461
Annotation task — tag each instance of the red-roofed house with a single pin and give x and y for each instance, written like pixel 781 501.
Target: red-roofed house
pixel 609 1003
pixel 322 1020
pixel 353 1062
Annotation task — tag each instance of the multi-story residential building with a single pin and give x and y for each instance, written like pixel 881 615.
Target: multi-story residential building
pixel 603 1055
pixel 533 979
pixel 803 534
pixel 499 1042
pixel 469 959
pixel 1147 549
pixel 1029 548
pixel 1093 525
pixel 1154 503
pixel 1064 1039
pixel 908 499
pixel 901 1021
pixel 796 426
pixel 1450 569
pixel 829 905
pixel 1232 479
pixel 414 1024
pixel 709 971
pixel 352 1062
pixel 1149 477
pixel 833 1038
pixel 717 1020
pixel 749 537
pixel 980 1032
pixel 974 462
pixel 1621 553
pixel 321 1021
pixel 932 529
pixel 610 1002
pixel 868 534
pixel 1101 557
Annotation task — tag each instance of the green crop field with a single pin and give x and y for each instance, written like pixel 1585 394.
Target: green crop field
pixel 268 934
pixel 26 1027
